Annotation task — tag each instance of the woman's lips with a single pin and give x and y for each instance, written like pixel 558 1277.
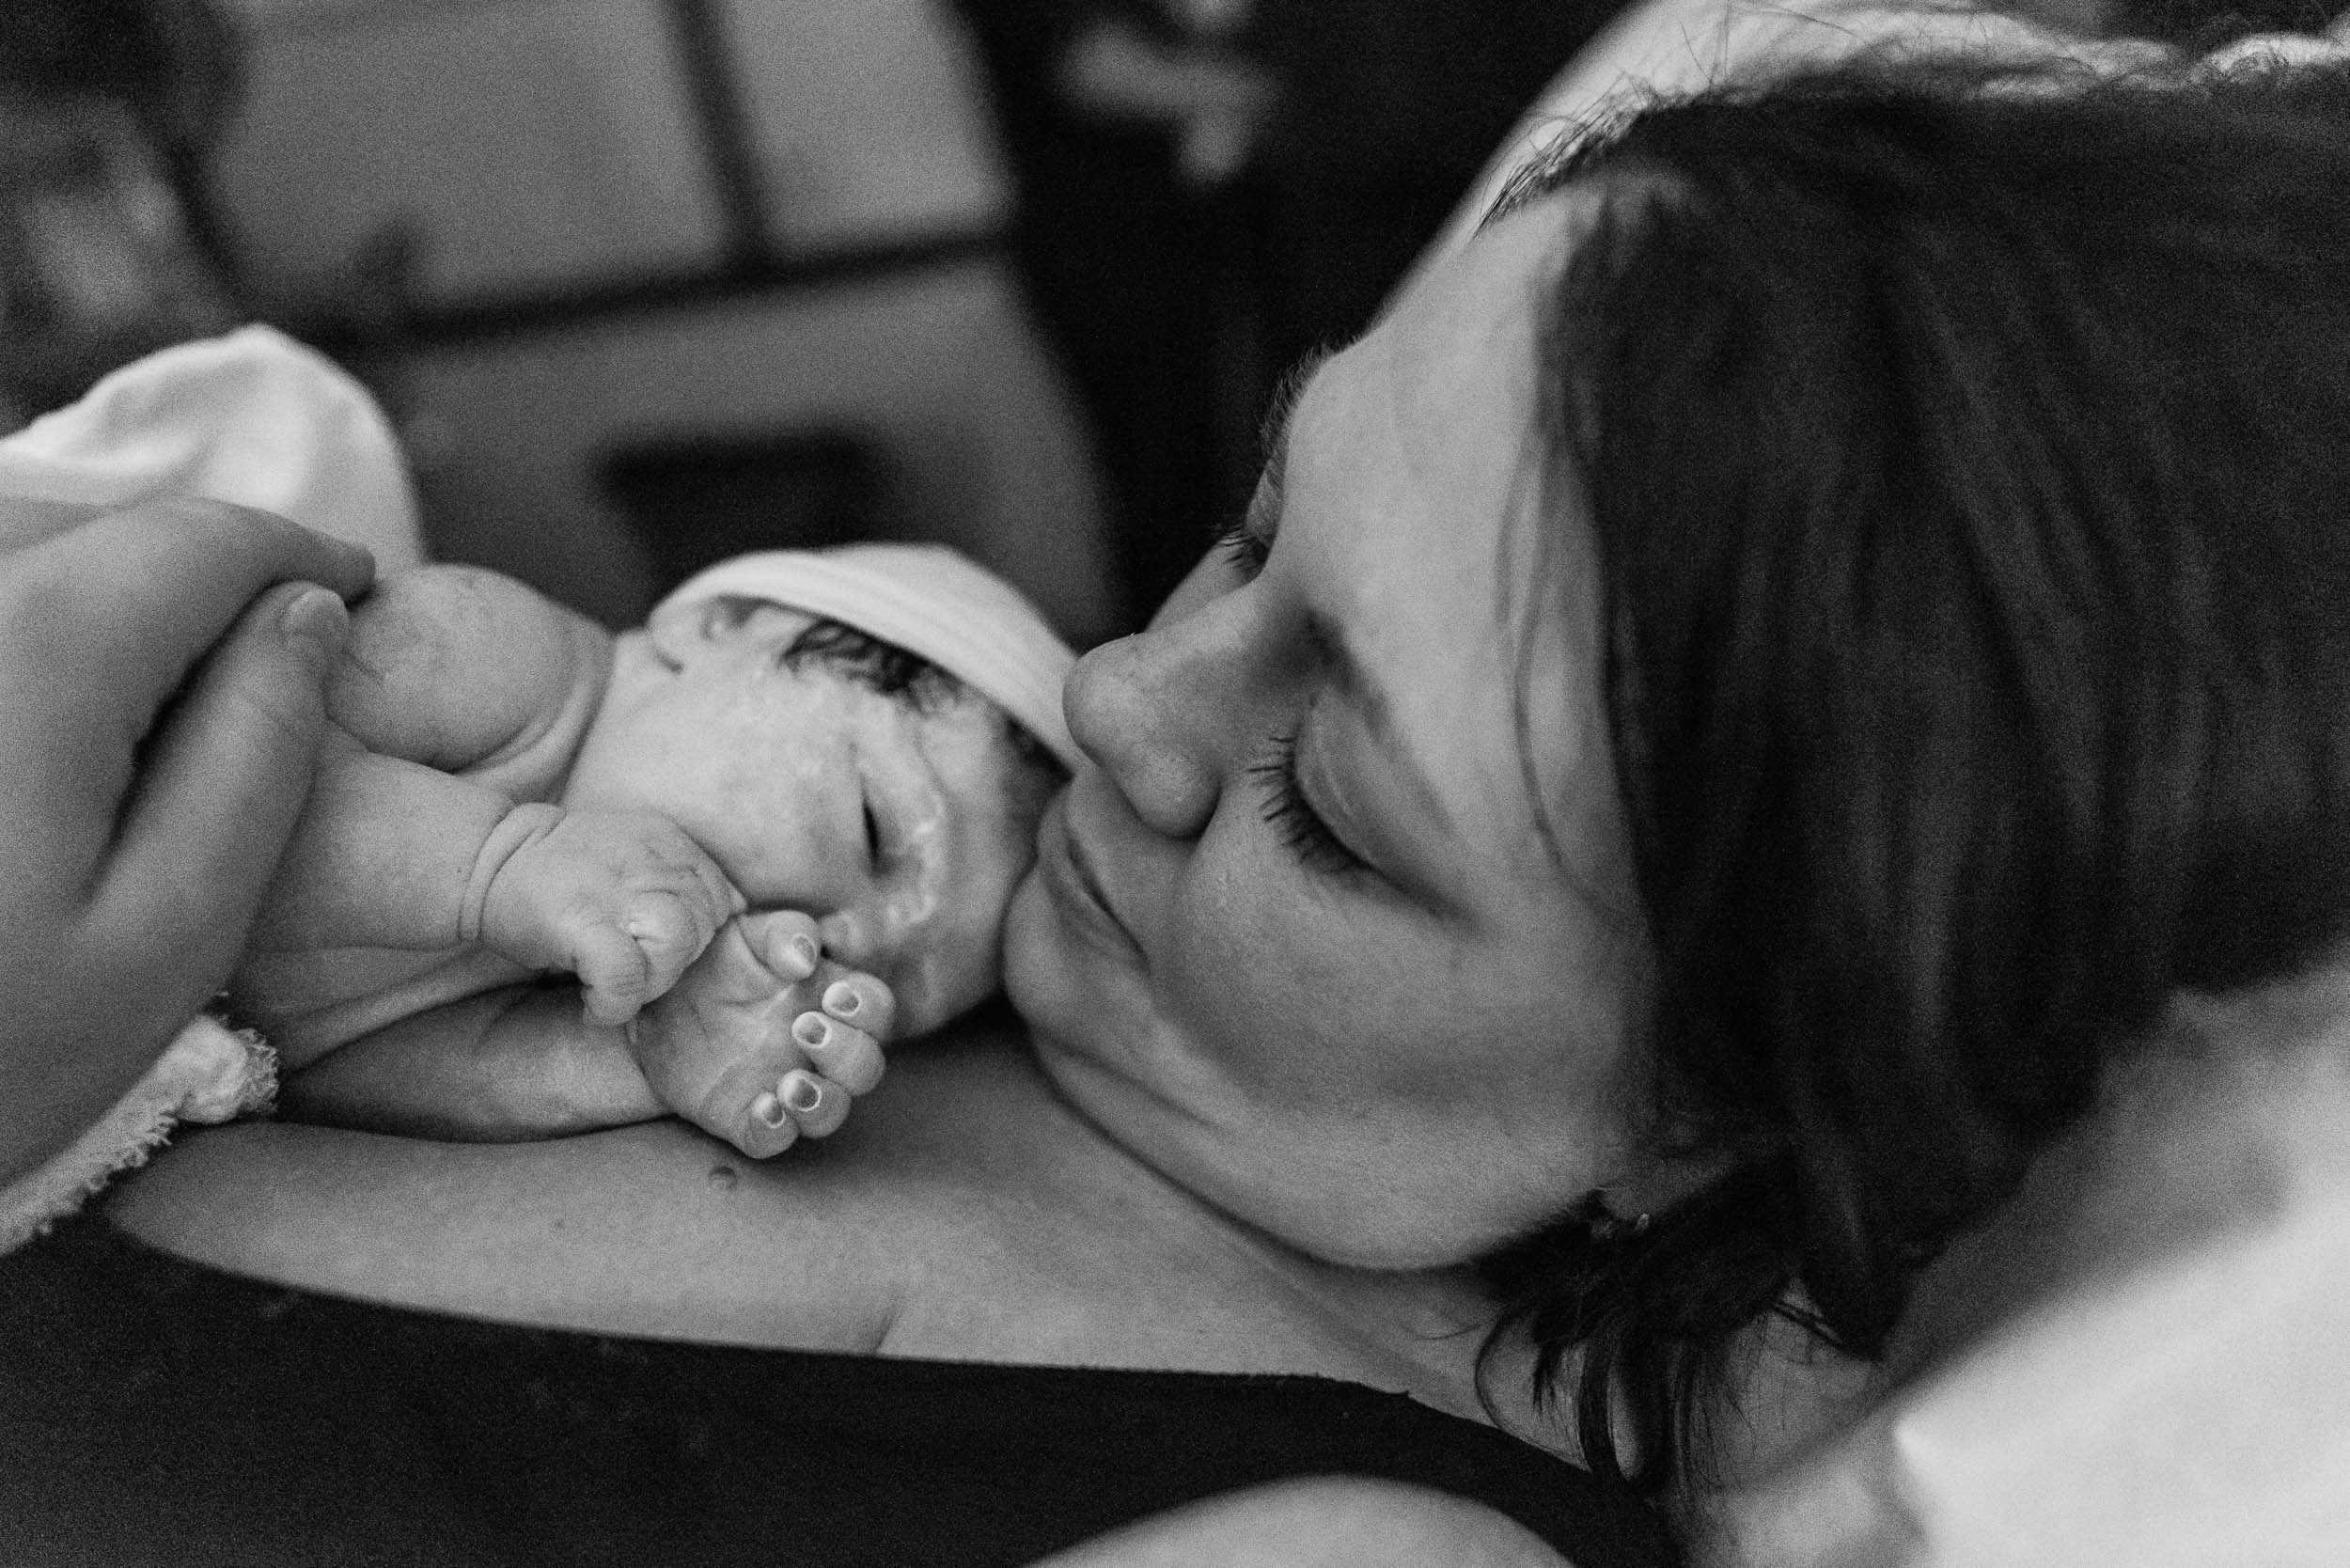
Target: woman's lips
pixel 1070 876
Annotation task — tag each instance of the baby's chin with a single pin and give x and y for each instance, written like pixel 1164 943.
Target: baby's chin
pixel 934 989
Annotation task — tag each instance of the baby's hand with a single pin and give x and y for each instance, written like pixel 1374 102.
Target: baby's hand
pixel 623 900
pixel 763 1040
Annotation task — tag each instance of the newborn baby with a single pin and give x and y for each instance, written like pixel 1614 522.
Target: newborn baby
pixel 775 824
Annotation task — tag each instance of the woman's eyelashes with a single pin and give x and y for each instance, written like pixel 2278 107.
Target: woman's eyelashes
pixel 1301 828
pixel 1245 542
pixel 1243 548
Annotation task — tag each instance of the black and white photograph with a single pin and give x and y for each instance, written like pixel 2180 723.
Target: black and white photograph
pixel 1174 784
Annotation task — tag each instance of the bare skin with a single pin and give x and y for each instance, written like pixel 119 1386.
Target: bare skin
pixel 1272 1104
pixel 160 676
pixel 916 1230
pixel 440 865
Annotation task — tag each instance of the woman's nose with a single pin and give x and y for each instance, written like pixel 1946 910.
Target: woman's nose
pixel 1159 712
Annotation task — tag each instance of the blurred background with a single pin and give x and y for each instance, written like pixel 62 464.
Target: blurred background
pixel 649 282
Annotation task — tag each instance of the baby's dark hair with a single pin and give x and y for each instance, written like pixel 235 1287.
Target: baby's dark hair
pixel 892 671
pixel 881 666
pixel 1967 463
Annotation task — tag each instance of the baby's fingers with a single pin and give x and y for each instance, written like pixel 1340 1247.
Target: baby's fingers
pixel 614 976
pixel 720 897
pixel 818 1107
pixel 841 1052
pixel 859 998
pixel 773 1130
pixel 670 932
pixel 783 941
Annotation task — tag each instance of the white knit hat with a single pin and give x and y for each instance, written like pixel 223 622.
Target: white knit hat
pixel 927 600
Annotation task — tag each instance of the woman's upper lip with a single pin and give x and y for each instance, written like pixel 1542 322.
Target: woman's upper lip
pixel 1087 879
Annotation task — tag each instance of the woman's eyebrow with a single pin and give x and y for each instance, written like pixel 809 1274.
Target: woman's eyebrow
pixel 1273 440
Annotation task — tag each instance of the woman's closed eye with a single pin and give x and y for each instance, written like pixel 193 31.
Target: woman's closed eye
pixel 1302 829
pixel 876 852
pixel 1246 542
pixel 1243 548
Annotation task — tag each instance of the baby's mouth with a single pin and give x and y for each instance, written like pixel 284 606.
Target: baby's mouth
pixel 844 937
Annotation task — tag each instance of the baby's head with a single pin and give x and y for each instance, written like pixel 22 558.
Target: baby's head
pixel 866 735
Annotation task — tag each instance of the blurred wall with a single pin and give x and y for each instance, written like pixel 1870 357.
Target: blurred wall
pixel 561 229
pixel 535 142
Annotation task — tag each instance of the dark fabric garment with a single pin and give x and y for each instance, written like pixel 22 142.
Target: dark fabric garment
pixel 152 1413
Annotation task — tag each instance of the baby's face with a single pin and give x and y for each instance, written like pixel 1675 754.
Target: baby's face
pixel 903 829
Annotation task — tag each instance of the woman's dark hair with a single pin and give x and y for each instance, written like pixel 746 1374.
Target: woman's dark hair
pixel 1969 464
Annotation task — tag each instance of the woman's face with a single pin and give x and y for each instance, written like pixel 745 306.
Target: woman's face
pixel 1335 932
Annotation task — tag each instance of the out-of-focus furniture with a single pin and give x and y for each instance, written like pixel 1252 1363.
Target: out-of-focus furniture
pixel 580 241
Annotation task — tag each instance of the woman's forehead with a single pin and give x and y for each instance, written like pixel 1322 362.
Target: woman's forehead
pixel 1415 459
pixel 1461 339
pixel 1428 538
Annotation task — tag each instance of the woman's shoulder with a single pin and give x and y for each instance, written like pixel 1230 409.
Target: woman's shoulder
pixel 1321 1522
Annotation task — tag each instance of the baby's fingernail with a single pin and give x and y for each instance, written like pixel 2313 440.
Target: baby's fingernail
pixel 803 949
pixel 812 1028
pixel 769 1111
pixel 801 1093
pixel 316 616
pixel 842 997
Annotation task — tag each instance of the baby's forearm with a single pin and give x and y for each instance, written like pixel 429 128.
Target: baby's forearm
pixel 389 854
pixel 518 1062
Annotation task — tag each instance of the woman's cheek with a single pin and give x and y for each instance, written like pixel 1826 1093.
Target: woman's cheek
pixel 1233 974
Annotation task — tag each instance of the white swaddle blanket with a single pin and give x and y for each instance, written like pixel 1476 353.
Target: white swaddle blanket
pixel 255 418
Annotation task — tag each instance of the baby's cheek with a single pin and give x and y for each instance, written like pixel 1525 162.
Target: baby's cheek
pixel 957 970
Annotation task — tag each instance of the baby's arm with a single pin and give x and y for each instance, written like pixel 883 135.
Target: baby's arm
pixel 457 681
pixel 760 1044
pixel 461 689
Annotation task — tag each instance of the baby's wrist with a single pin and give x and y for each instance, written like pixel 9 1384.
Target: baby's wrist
pixel 521 827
